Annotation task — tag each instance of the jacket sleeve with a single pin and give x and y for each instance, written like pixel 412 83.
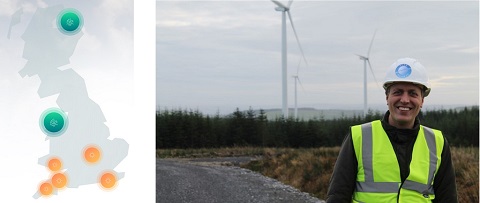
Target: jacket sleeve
pixel 444 183
pixel 342 182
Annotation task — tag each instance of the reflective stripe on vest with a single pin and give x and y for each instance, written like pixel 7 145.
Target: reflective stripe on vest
pixel 371 181
pixel 426 189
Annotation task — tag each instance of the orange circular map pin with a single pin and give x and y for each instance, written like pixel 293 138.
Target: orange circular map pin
pixel 45 189
pixel 108 180
pixel 54 164
pixel 59 180
pixel 92 154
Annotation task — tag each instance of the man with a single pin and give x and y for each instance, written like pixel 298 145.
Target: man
pixel 396 159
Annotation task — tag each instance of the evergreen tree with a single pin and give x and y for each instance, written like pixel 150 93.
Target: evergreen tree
pixel 191 129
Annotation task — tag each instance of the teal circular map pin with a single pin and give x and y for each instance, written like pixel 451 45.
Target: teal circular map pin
pixel 69 21
pixel 53 122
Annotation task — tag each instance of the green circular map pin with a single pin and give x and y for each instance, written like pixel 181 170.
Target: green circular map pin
pixel 53 122
pixel 69 21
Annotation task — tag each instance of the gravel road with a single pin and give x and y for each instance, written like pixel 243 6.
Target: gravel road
pixel 214 180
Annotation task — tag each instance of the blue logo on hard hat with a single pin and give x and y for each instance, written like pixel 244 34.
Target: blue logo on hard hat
pixel 403 70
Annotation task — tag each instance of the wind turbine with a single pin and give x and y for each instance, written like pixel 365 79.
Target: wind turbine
pixel 286 9
pixel 366 60
pixel 297 79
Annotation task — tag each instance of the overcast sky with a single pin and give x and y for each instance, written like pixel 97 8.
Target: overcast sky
pixel 215 55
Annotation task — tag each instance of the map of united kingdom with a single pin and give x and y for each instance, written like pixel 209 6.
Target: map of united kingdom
pixel 80 152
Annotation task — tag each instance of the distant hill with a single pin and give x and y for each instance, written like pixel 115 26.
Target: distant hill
pixel 307 113
pixel 311 113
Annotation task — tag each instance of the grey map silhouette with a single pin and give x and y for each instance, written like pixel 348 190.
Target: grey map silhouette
pixel 47 49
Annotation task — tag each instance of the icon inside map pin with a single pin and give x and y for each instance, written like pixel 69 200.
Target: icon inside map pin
pixel 69 21
pixel 53 122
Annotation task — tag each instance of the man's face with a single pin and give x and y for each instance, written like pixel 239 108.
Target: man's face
pixel 404 101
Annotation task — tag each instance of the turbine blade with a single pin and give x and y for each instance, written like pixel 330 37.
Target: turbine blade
pixel 298 67
pixel 371 42
pixel 371 70
pixel 279 4
pixel 296 37
pixel 290 3
pixel 303 89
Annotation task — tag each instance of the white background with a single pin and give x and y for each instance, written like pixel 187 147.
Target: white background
pixel 125 95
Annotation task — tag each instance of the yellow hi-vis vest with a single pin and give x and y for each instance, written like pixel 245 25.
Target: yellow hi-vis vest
pixel 378 177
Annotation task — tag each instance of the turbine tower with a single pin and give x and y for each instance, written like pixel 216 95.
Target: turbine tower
pixel 286 9
pixel 366 60
pixel 297 79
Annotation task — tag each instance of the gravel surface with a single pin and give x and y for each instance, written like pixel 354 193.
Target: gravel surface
pixel 213 180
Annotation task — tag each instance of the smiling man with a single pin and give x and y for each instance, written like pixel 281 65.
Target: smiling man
pixel 404 102
pixel 396 159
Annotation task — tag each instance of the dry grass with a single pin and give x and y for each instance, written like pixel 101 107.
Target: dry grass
pixel 465 160
pixel 209 152
pixel 309 170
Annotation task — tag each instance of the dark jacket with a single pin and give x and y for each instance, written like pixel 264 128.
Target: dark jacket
pixel 342 182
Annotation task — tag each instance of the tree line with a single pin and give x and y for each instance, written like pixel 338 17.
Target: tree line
pixel 192 129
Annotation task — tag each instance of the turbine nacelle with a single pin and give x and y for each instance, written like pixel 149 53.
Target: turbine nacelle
pixel 362 57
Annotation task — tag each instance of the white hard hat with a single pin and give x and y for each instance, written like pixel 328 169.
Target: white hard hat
pixel 407 70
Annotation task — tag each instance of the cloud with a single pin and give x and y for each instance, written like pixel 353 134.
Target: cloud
pixel 119 15
pixel 8 7
pixel 173 23
pixel 454 81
